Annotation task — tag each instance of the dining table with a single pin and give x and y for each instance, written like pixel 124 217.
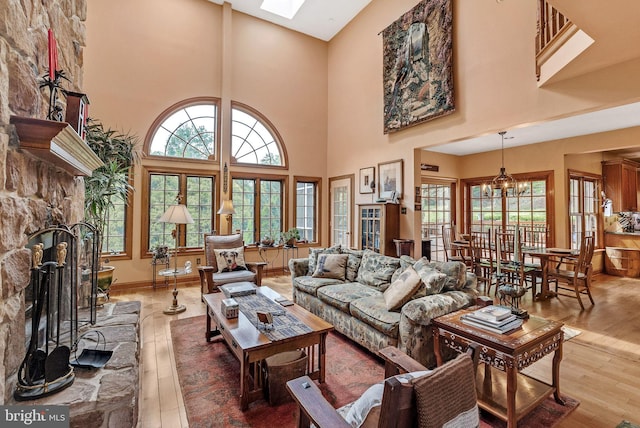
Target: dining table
pixel 545 255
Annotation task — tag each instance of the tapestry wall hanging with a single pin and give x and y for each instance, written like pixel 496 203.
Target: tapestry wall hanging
pixel 417 65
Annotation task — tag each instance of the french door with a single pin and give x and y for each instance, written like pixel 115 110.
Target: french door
pixel 437 210
pixel 341 210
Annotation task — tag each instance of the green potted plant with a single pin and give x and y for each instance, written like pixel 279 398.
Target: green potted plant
pixel 107 183
pixel 290 236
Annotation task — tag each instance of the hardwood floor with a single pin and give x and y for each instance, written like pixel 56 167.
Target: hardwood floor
pixel 600 366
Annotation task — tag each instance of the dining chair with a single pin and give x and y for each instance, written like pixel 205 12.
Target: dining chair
pixel 483 259
pixel 505 247
pixel 511 262
pixel 535 237
pixel 452 252
pixel 577 275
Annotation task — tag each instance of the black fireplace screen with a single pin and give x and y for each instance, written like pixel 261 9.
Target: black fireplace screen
pixel 62 294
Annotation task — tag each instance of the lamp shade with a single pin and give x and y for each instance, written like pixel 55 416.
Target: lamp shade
pixel 227 207
pixel 177 214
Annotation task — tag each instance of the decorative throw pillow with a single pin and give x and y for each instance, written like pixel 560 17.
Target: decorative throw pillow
pixel 365 411
pixel 353 263
pixel 230 259
pixel 456 274
pixel 314 252
pixel 401 290
pixel 447 396
pixel 332 266
pixel 432 279
pixel 376 269
pixel 405 262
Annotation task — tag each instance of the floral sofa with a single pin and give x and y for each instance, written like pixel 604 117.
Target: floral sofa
pixel 356 304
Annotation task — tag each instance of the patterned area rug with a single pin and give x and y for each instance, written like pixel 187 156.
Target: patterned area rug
pixel 209 379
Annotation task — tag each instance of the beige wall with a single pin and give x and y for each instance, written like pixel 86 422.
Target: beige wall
pixel 495 88
pixel 326 98
pixel 142 57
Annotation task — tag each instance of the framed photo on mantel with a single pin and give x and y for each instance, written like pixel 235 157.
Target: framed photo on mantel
pixel 390 179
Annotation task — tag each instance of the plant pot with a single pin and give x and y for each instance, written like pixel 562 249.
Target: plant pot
pixel 291 242
pixel 105 278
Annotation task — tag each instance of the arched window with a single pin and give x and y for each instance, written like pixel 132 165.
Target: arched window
pixel 253 139
pixel 189 132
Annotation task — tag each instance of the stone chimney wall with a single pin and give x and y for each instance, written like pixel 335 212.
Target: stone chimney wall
pixel 33 194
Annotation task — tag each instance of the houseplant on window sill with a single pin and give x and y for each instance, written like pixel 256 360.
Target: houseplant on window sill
pixel 107 184
pixel 290 237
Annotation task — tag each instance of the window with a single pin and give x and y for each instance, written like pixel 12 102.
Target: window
pixel 197 192
pixel 114 239
pixel 438 209
pixel 530 209
pixel 189 132
pixel 253 139
pixel 259 205
pixel 307 202
pixel 583 207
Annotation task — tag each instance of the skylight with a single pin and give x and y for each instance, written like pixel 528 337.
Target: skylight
pixel 285 8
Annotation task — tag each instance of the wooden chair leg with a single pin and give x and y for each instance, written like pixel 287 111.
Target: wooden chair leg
pixel 587 284
pixel 577 291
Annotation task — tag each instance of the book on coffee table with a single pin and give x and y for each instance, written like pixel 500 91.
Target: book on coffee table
pixel 503 326
pixel 492 313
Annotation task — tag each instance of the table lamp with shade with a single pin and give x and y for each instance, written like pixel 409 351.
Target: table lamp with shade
pixel 176 214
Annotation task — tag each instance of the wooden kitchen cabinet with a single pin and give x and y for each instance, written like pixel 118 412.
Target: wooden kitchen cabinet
pixel 379 226
pixel 620 178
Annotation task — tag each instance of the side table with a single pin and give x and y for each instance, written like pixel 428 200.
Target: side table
pixel 502 390
pixel 269 259
pixel 287 253
pixel 159 261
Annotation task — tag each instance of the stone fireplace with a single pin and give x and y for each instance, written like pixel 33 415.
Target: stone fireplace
pixel 34 193
pixel 38 191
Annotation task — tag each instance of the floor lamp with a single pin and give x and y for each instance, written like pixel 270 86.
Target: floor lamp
pixel 228 210
pixel 176 214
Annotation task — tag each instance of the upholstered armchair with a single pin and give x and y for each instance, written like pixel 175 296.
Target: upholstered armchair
pixel 211 277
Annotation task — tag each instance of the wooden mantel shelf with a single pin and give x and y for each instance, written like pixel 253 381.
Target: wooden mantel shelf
pixel 57 143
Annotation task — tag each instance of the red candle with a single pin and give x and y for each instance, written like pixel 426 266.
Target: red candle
pixel 53 55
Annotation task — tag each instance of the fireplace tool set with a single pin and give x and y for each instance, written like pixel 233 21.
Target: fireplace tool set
pixel 59 296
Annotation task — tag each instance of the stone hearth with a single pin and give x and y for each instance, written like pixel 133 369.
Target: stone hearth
pixel 106 397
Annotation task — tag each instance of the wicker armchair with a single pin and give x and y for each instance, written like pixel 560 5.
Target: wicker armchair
pixel 211 279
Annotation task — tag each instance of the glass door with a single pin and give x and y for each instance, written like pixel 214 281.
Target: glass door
pixel 340 206
pixel 438 209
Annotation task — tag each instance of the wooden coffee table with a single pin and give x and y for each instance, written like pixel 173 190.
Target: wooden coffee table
pixel 251 347
pixel 502 389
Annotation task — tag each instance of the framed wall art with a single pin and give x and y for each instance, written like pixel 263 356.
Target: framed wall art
pixel 417 65
pixel 390 179
pixel 367 179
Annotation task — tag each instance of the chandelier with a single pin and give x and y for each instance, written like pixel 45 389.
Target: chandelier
pixel 504 182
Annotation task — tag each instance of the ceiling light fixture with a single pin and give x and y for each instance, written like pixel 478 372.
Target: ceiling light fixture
pixel 284 8
pixel 504 181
